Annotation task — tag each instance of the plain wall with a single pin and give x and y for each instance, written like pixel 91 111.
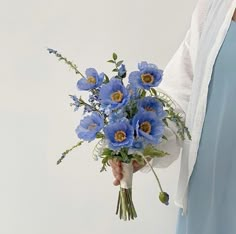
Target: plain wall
pixel 37 123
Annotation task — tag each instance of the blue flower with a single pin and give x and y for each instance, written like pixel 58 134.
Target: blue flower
pixel 148 126
pixel 90 126
pixel 138 144
pixel 122 71
pixel 76 103
pixel 148 76
pixel 52 51
pixel 133 91
pixel 114 94
pixel 91 81
pixel 87 109
pixel 118 115
pixel 152 104
pixel 93 98
pixel 120 134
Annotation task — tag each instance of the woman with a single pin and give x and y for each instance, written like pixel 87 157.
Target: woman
pixel 201 78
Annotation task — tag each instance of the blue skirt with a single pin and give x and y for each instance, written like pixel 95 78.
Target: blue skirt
pixel 212 185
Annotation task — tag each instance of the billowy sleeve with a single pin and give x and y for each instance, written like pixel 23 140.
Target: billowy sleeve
pixel 177 83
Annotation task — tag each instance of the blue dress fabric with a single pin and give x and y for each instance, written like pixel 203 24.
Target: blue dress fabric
pixel 212 185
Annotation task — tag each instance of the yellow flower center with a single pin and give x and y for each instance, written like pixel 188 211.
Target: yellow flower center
pixel 91 80
pixel 146 127
pixel 117 96
pixel 120 136
pixel 92 126
pixel 147 78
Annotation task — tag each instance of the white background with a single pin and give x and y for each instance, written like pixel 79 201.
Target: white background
pixel 37 123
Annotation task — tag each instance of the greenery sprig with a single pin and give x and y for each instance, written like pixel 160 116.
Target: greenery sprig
pixel 172 115
pixel 69 150
pixel 68 62
pixel 117 64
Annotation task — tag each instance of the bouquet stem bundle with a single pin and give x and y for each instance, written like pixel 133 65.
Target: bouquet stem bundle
pixel 125 206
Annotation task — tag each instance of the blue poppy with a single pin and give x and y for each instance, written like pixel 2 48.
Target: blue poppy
pixel 148 126
pixel 147 77
pixel 90 126
pixel 91 81
pixel 138 144
pixel 133 91
pixel 119 134
pixel 113 94
pixel 152 104
pixel 118 115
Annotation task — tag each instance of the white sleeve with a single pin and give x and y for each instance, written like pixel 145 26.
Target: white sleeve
pixel 177 83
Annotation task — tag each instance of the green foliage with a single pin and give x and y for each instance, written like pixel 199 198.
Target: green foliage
pixel 100 135
pixel 68 62
pixel 173 116
pixel 106 79
pixel 153 91
pixel 111 61
pixel 119 63
pixel 164 137
pixel 142 93
pixel 68 151
pixel 114 56
pixel 151 151
pixel 131 109
pixel 106 156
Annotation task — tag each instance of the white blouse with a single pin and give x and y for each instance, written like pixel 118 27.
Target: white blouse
pixel 186 78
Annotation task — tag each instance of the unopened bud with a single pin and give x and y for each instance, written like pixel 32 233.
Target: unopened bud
pixel 164 198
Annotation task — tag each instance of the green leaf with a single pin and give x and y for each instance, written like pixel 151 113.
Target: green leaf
pixel 154 91
pixel 153 152
pixel 115 70
pixel 119 63
pixel 143 93
pixel 105 160
pixel 166 122
pixel 114 56
pixel 164 137
pixel 106 79
pixel 124 156
pixel 103 168
pixel 107 151
pixel 99 135
pixel 111 61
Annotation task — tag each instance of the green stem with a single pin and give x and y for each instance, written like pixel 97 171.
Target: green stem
pixel 118 204
pixel 124 205
pixel 158 181
pixel 127 201
pixel 121 210
pixel 130 202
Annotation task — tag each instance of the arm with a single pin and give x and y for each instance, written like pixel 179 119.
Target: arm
pixel 177 82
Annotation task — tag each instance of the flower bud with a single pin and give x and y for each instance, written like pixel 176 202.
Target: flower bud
pixel 164 198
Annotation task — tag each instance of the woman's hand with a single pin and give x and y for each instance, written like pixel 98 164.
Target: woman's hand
pixel 117 169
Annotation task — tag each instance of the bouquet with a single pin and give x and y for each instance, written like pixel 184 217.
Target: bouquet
pixel 127 118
